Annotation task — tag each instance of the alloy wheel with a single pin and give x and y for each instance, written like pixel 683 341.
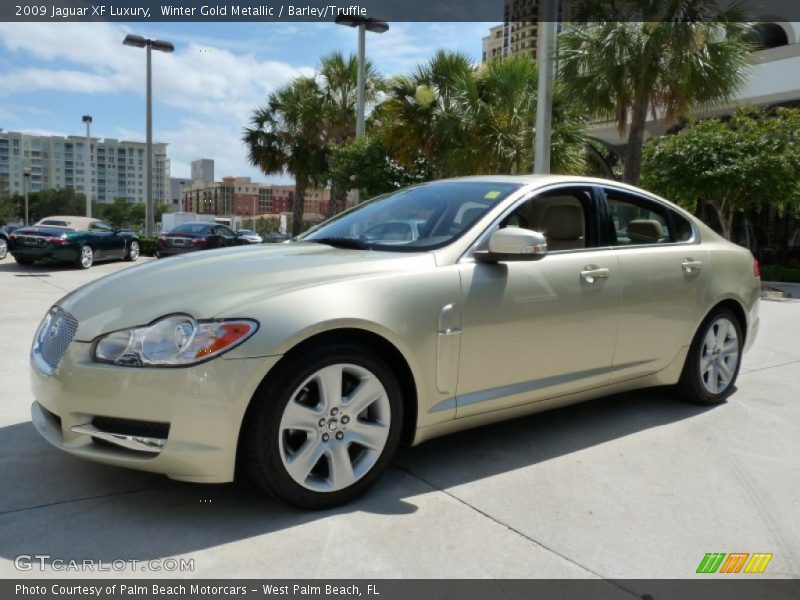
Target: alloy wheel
pixel 3 248
pixel 334 428
pixel 87 257
pixel 133 253
pixel 719 357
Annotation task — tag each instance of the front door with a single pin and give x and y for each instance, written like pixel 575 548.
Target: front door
pixel 541 329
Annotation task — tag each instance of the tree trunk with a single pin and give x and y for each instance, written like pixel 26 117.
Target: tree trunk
pixel 633 151
pixel 337 201
pixel 298 205
pixel 725 216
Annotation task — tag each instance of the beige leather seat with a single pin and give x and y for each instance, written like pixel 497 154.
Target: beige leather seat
pixel 645 231
pixel 563 227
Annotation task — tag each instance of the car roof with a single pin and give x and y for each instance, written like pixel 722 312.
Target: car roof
pixel 72 222
pixel 541 180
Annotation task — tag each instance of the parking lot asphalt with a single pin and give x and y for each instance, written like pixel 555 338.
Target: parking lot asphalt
pixel 637 485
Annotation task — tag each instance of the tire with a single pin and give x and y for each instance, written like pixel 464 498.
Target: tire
pixel 712 364
pixel 133 251
pixel 3 248
pixel 340 449
pixel 85 257
pixel 25 262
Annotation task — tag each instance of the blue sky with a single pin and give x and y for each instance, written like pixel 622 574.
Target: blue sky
pixel 53 73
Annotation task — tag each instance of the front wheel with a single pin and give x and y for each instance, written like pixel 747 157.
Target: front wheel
pixel 85 257
pixel 133 251
pixel 323 429
pixel 714 358
pixel 3 248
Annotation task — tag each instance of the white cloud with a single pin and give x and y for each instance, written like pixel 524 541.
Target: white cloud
pixel 197 77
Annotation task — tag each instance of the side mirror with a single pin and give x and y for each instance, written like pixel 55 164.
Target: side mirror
pixel 513 244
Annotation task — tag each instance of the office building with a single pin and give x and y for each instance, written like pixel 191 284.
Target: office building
pixel 56 162
pixel 203 169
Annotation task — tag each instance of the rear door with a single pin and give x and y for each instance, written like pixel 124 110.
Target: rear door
pixel 664 276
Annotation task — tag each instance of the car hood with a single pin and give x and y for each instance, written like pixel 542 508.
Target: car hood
pixel 212 283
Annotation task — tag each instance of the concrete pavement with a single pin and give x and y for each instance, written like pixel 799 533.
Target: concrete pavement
pixel 631 486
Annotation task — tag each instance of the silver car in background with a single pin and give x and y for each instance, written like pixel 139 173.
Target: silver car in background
pixel 308 363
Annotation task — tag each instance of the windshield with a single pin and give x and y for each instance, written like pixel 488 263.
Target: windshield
pixel 422 217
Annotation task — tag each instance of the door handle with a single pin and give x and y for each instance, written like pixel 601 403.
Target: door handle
pixel 590 274
pixel 690 265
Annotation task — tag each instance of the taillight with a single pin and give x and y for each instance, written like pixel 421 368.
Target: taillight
pixel 200 241
pixel 756 269
pixel 162 239
pixel 55 240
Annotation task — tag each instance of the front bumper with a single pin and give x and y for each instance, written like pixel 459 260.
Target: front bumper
pixel 202 405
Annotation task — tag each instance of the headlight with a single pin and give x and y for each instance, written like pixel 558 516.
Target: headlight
pixel 172 341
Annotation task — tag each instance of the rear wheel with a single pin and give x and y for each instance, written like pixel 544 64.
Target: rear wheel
pixel 3 248
pixel 714 358
pixel 324 428
pixel 133 251
pixel 85 257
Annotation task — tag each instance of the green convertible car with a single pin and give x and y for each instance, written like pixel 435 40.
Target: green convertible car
pixel 76 240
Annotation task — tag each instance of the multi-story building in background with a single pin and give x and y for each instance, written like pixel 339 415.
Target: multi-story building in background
pixel 242 197
pixel 203 168
pixel 493 44
pixel 520 24
pixel 176 187
pixel 56 162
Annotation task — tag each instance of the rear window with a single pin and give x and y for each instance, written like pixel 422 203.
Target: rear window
pixel 53 223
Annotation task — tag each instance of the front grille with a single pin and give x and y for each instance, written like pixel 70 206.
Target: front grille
pixel 56 336
pixel 151 429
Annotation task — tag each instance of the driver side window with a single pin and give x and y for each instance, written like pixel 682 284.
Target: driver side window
pixel 560 215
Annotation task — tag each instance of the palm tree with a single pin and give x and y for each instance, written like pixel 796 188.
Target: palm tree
pixel 464 120
pixel 287 135
pixel 338 81
pixel 422 114
pixel 676 54
pixel 501 120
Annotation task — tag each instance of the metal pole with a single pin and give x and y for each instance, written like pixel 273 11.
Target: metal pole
pixel 544 101
pixel 362 68
pixel 25 178
pixel 87 171
pixel 149 209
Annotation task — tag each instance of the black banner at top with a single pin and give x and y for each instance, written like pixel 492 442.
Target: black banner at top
pixel 492 11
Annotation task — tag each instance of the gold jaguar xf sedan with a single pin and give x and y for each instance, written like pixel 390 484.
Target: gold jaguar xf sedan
pixel 469 301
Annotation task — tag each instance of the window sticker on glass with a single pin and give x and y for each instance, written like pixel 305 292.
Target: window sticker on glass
pixel 492 195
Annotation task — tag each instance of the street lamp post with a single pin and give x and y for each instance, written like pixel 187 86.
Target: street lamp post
pixel 544 100
pixel 26 178
pixel 141 42
pixel 364 24
pixel 87 167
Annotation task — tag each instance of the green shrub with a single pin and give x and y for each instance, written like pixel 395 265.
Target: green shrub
pixel 780 274
pixel 147 246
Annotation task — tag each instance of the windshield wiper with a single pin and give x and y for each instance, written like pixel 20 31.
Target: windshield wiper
pixel 342 242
